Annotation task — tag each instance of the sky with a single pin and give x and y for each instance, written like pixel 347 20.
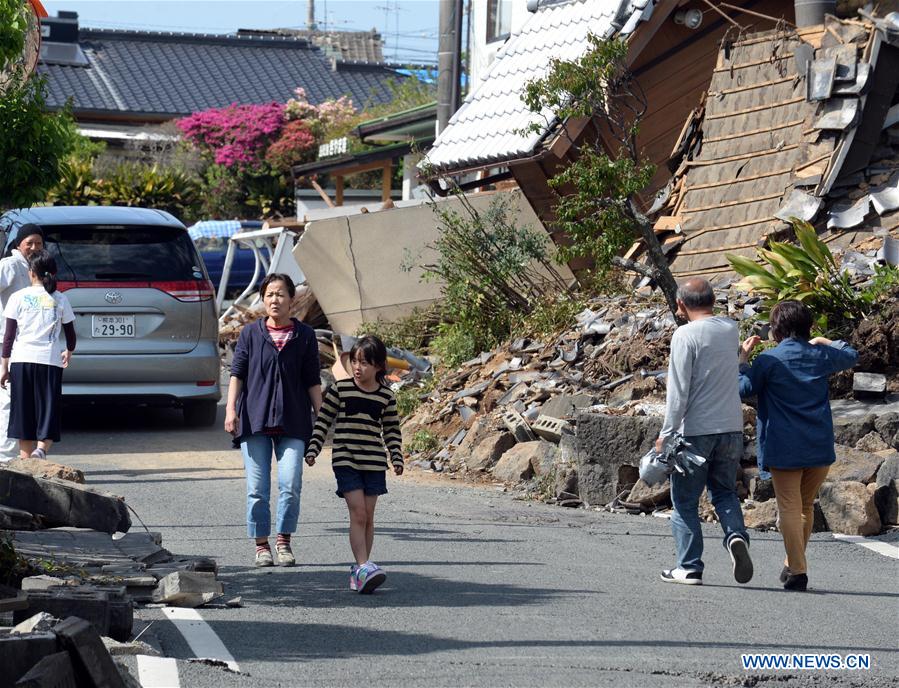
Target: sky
pixel 409 27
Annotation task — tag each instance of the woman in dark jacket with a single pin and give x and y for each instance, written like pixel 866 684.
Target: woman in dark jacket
pixel 275 389
pixel 795 426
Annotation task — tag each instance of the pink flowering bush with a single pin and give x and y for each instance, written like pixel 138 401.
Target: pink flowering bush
pixel 237 136
pixel 294 146
pixel 319 118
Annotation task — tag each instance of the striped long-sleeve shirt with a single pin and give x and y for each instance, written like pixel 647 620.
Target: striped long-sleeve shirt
pixel 364 422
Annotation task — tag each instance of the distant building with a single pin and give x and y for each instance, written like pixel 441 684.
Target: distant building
pixel 121 81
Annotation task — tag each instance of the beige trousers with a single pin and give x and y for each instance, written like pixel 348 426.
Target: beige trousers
pixel 795 491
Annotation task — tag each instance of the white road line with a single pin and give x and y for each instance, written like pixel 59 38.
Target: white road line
pixel 887 549
pixel 157 672
pixel 199 635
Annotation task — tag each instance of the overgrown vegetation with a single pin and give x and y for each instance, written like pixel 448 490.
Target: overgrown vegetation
pixel 598 205
pixel 423 442
pixel 34 143
pixel 810 273
pixel 493 271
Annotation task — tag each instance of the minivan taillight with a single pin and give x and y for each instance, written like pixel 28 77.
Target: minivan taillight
pixel 63 286
pixel 187 290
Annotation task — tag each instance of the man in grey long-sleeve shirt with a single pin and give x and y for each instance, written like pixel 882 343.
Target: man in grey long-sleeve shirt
pixel 703 404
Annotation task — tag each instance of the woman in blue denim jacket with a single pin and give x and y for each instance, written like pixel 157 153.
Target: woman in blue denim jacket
pixel 795 426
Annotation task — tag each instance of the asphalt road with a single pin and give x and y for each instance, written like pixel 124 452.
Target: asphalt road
pixel 482 590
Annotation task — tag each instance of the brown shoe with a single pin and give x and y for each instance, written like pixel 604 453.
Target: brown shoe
pixel 285 555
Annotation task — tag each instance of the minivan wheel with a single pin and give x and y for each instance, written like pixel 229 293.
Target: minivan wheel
pixel 200 413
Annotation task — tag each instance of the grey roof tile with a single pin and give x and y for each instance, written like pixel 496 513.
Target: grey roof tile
pixel 176 74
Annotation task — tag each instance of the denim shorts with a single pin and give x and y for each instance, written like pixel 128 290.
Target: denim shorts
pixel 373 483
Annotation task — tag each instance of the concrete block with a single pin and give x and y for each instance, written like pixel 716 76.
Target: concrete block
pixel 18 653
pixel 188 589
pixel 518 426
pixel 90 660
pixel 604 445
pixel 53 671
pixel 17 519
pixel 83 601
pixel 42 582
pixel 550 428
pixel 12 599
pixel 869 385
pixel 121 611
pixel 63 503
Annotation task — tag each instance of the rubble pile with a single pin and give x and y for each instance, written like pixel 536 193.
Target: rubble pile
pixel 62 624
pixel 567 420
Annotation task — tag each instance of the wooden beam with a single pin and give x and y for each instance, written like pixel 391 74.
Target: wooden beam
pixel 338 189
pixel 321 192
pixel 386 179
pixel 644 33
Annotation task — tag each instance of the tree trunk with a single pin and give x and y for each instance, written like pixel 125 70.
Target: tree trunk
pixel 663 277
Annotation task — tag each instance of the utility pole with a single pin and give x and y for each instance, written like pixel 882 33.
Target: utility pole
pixel 448 65
pixel 310 15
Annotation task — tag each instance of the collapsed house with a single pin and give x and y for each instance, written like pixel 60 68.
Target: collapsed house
pixel 796 123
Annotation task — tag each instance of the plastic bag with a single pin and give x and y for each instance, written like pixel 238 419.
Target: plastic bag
pixel 677 455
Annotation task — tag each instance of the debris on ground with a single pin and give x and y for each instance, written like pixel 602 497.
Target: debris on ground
pixel 595 395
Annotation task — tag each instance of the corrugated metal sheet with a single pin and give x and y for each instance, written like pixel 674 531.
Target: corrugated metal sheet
pixel 487 128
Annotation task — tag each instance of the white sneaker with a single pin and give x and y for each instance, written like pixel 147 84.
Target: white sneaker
pixel 682 576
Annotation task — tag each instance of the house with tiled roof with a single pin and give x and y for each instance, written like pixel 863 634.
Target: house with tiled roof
pixel 796 123
pixel 121 78
pixel 672 49
pixel 365 47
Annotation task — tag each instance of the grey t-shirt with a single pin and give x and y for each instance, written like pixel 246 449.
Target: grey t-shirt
pixel 703 395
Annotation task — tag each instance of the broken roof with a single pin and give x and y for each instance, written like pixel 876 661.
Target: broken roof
pixel 486 129
pixel 791 126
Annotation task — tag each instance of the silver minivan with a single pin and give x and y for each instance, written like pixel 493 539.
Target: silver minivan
pixel 144 306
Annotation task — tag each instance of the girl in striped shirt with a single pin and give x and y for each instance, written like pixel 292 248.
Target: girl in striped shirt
pixel 363 412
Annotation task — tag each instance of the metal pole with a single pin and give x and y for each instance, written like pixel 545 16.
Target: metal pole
pixel 310 15
pixel 457 55
pixel 446 63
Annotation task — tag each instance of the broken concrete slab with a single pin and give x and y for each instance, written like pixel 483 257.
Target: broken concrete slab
pixel 650 497
pixel 188 589
pixel 489 450
pixel 90 549
pixel 63 503
pixel 606 443
pixel 43 582
pixel 42 468
pixel 887 426
pixel 849 508
pixel 91 662
pixel 18 653
pixel 760 515
pixel 869 385
pixel 17 519
pixel 52 671
pixel 847 430
pixel 564 406
pixel 12 600
pixel 854 465
pixel 84 602
pixel 134 647
pixel 40 622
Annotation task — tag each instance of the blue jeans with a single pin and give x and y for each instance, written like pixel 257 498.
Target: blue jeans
pixel 257 457
pixel 719 473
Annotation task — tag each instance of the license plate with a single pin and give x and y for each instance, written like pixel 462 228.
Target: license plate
pixel 112 326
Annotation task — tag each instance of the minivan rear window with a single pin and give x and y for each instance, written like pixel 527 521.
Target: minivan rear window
pixel 121 254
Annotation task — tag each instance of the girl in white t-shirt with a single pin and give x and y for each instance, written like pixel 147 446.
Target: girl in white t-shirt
pixel 37 344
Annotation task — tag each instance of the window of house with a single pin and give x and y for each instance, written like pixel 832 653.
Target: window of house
pixel 499 20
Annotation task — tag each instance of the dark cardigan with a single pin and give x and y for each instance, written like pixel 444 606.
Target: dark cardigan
pixel 275 383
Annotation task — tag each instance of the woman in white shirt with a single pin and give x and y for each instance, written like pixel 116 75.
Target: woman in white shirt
pixel 37 344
